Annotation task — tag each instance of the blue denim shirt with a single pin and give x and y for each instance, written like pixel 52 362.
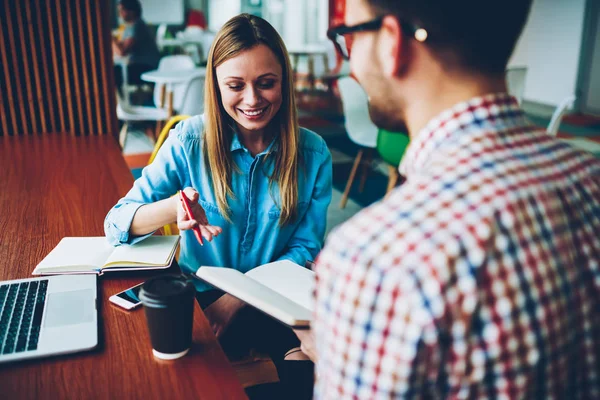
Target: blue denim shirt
pixel 254 236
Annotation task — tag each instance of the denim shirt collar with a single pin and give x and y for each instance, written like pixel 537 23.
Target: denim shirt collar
pixel 237 145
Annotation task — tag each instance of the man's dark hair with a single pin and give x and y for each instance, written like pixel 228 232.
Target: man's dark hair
pixel 477 35
pixel 132 5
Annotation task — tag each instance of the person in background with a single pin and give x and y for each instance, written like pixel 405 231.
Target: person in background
pixel 259 185
pixel 136 42
pixel 479 277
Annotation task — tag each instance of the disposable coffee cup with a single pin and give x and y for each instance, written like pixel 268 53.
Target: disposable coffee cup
pixel 169 307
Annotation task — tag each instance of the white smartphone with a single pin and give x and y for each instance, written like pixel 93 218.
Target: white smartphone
pixel 128 299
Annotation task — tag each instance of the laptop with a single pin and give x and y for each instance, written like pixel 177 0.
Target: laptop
pixel 47 316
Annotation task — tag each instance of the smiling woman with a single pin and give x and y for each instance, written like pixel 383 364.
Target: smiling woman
pixel 254 97
pixel 249 77
pixel 258 184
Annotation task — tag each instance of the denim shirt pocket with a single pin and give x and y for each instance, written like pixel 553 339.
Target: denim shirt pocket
pixel 275 212
pixel 209 208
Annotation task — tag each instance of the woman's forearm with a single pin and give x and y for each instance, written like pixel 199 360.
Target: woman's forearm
pixel 153 216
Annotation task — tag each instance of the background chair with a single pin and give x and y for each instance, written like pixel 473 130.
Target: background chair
pixel 207 40
pixel 558 115
pixel 192 102
pixel 515 82
pixel 580 143
pixel 161 34
pixel 170 229
pixel 193 39
pixel 173 63
pixel 391 147
pixel 189 100
pixel 359 126
pixel 128 113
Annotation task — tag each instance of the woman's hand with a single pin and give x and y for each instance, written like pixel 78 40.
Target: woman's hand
pixel 221 313
pixel 184 222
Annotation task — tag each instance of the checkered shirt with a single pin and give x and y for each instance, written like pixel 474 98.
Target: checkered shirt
pixel 477 278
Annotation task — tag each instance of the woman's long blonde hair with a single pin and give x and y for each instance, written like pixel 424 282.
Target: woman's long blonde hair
pixel 239 34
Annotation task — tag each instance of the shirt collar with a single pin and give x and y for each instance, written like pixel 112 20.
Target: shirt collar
pixel 490 112
pixel 237 145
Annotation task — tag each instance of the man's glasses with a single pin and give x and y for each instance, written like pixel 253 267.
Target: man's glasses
pixel 338 34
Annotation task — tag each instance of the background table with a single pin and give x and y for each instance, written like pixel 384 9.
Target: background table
pixel 58 185
pixel 169 78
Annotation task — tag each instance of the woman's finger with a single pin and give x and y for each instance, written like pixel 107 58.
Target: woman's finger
pixel 215 230
pixel 191 194
pixel 206 233
pixel 185 225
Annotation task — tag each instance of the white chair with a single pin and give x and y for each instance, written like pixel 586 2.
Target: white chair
pixel 193 97
pixel 207 40
pixel 580 143
pixel 359 126
pixel 515 82
pixel 193 39
pixel 128 113
pixel 173 63
pixel 191 103
pixel 161 32
pixel 558 115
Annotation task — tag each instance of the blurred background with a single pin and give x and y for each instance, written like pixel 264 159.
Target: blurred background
pixel 66 68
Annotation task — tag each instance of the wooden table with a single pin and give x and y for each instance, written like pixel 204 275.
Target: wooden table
pixel 54 186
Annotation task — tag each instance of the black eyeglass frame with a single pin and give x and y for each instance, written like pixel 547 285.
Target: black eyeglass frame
pixel 339 31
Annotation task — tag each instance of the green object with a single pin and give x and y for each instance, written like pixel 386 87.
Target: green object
pixel 391 146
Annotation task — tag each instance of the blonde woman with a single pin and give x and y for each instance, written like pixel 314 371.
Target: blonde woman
pixel 259 185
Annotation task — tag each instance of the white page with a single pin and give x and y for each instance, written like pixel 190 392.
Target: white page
pixel 154 250
pixel 288 279
pixel 256 294
pixel 88 252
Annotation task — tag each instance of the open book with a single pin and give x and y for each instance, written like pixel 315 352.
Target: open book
pixel 280 289
pixel 95 255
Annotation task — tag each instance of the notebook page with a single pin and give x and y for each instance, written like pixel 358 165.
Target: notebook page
pixel 154 250
pixel 288 279
pixel 87 252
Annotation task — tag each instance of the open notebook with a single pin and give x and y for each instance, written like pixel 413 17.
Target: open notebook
pixel 280 289
pixel 95 255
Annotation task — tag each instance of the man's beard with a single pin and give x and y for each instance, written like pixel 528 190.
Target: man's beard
pixel 387 116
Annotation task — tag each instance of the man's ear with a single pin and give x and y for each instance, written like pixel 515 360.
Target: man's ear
pixel 392 46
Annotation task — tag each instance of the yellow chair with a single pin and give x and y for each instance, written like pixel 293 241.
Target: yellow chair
pixel 170 229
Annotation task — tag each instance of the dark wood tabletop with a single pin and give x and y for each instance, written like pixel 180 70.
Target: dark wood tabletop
pixel 53 186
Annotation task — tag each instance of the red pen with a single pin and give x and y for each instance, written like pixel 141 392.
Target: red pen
pixel 188 210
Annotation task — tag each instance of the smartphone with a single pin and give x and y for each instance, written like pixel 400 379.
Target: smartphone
pixel 127 299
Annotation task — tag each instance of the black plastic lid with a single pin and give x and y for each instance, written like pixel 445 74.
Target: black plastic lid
pixel 165 289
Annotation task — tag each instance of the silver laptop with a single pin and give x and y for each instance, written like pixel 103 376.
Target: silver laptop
pixel 47 316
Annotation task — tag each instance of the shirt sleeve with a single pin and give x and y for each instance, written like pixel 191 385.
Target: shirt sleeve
pixel 374 331
pixel 308 237
pixel 160 180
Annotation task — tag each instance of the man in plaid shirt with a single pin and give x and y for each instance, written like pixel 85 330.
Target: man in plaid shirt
pixel 479 276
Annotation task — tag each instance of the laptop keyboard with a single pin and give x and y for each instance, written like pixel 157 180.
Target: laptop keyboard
pixel 21 308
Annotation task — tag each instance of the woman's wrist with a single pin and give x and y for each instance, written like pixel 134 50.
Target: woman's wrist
pixel 174 206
